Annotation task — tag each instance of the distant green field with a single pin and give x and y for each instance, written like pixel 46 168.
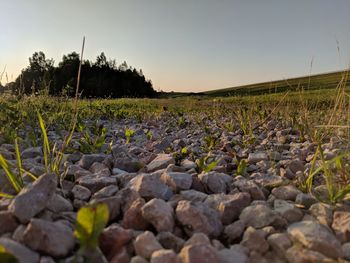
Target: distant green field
pixel 312 82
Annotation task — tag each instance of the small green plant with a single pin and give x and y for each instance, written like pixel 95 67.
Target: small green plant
pixel 93 143
pixel 336 173
pixel 204 166
pixel 15 180
pixel 184 151
pixel 179 156
pixel 149 135
pixel 210 143
pixel 129 133
pixel 207 129
pixel 244 118
pixel 91 220
pixel 249 140
pixel 242 167
pixel 229 126
pixel 6 256
pixel 181 122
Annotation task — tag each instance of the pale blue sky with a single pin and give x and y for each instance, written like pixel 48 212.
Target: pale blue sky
pixel 184 45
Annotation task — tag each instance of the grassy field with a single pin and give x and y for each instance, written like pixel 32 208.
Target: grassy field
pixel 312 82
pixel 311 108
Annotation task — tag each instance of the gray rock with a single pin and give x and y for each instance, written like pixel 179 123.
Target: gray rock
pixel 198 239
pixel 316 237
pixel 193 195
pixel 232 256
pixel 31 152
pixel 160 214
pixel 74 157
pixel 287 192
pixel 214 182
pixel 296 165
pixel 279 242
pixel 19 232
pixel 8 222
pixel 94 183
pixel 275 156
pixel 128 196
pixel 249 187
pixel 133 218
pixel 323 213
pixel 81 173
pixel 113 203
pixel 163 144
pixel 160 162
pixel 257 157
pixel 88 159
pixel 81 193
pixel 113 238
pixel 34 198
pixel 341 225
pixel 129 165
pixel 255 240
pixel 59 204
pixel 138 259
pixel 228 206
pixel 47 260
pixel 54 239
pixel 21 253
pixel 199 253
pixel 164 256
pixel 4 203
pixel 268 181
pixel 288 210
pixel 235 230
pixel 198 217
pixel 150 186
pixel 117 171
pixel 346 250
pixel 177 181
pixel 217 244
pixel 258 216
pixel 107 191
pixel 145 244
pixel 188 165
pixel 100 168
pixel 305 200
pixel 169 241
pixel 7 155
pixel 296 254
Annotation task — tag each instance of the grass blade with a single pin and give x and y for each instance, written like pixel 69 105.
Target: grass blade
pixel 4 195
pixel 210 166
pixel 46 145
pixel 10 175
pixel 19 162
pixel 34 177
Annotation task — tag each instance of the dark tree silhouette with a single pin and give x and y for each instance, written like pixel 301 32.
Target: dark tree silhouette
pixel 100 79
pixel 36 76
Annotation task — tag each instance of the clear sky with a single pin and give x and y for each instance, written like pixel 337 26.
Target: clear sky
pixel 183 45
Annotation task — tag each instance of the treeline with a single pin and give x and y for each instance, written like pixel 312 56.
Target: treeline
pixel 100 79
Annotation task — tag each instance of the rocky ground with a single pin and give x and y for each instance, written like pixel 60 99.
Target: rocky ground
pixel 162 209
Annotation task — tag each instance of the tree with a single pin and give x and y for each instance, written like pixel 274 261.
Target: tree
pixel 36 76
pixel 101 61
pixel 102 78
pixel 124 66
pixel 65 76
pixel 39 63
